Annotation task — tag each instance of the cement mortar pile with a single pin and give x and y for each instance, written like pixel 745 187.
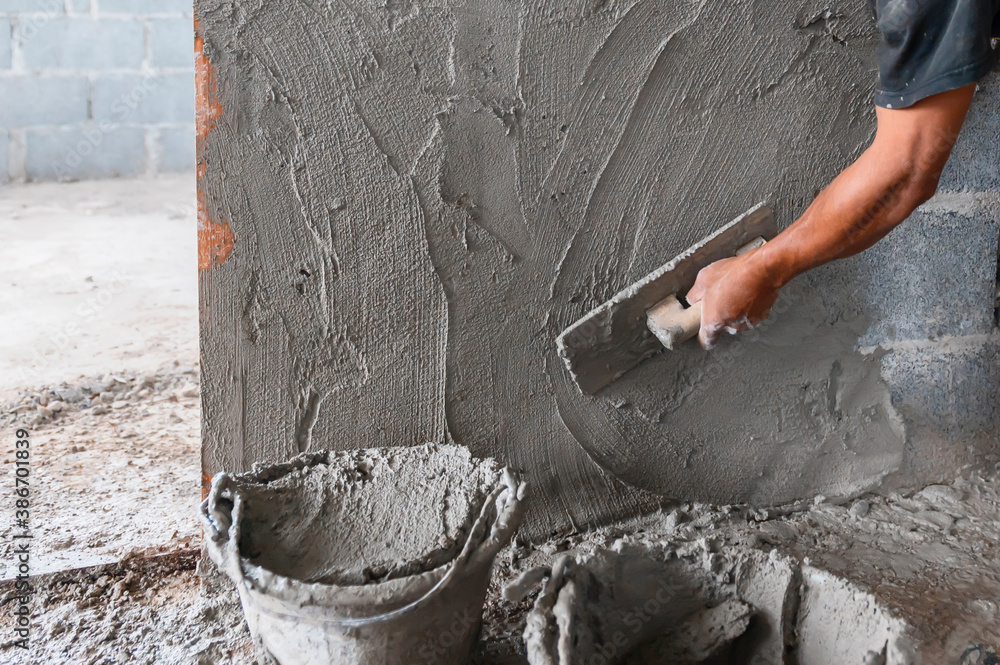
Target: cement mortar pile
pixel 672 603
pixel 366 516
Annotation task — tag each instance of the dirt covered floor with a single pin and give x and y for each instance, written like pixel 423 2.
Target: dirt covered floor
pixel 101 366
pixel 115 467
pixel 102 369
pixel 139 611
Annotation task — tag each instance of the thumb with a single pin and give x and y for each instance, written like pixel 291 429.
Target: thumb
pixel 696 294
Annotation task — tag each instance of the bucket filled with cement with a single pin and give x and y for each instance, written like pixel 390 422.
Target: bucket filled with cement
pixel 363 557
pixel 656 604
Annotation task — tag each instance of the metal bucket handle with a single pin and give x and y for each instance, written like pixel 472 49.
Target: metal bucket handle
pixel 508 518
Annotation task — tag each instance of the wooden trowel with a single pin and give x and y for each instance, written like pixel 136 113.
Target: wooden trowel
pixel 650 315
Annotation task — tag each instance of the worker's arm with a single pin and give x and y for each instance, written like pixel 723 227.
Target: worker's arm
pixel 898 172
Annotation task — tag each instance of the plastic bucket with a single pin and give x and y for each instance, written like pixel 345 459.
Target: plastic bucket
pixel 419 611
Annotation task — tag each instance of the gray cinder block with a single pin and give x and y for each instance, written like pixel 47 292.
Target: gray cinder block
pixel 134 98
pixel 30 100
pixel 33 6
pixel 146 6
pixel 948 395
pixel 171 42
pixel 4 43
pixel 975 160
pixel 4 156
pixel 177 150
pixel 79 42
pixel 91 151
pixel 933 276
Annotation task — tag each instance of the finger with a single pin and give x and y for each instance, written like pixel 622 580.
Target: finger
pixel 702 283
pixel 761 319
pixel 708 336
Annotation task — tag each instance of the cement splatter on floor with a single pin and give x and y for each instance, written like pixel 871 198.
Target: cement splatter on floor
pixel 114 469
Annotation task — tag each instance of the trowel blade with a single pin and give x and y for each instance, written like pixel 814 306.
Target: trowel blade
pixel 613 338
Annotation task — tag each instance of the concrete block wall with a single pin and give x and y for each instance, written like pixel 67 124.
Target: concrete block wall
pixel 946 381
pixel 95 88
pixel 929 292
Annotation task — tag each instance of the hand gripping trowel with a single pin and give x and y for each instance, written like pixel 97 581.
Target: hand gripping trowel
pixel 648 316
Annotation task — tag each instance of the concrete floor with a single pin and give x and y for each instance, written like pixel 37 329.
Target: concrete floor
pixel 95 277
pixel 98 288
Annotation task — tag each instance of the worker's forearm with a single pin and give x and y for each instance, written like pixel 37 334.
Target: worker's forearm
pixel 871 197
pixel 858 209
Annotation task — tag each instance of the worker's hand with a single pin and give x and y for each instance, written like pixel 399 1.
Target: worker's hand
pixel 735 294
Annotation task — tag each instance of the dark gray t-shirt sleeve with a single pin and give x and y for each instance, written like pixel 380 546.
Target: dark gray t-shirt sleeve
pixel 932 46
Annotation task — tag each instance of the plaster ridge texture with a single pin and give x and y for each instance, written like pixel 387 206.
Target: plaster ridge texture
pixel 424 195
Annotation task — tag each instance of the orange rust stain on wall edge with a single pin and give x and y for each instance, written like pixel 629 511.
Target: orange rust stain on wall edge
pixel 208 107
pixel 215 240
pixel 206 484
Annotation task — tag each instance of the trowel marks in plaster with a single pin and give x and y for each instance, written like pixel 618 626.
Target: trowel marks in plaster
pixel 787 410
pixel 326 327
pixel 462 182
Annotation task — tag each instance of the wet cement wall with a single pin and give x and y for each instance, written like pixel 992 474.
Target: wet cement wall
pixel 403 204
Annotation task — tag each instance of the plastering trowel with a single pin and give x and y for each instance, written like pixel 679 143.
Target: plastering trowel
pixel 649 315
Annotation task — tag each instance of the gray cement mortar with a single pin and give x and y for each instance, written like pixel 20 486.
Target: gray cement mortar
pixel 364 516
pixel 364 557
pixel 423 196
pixel 897 579
pixel 696 603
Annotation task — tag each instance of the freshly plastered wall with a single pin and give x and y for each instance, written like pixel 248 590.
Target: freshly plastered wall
pixel 404 202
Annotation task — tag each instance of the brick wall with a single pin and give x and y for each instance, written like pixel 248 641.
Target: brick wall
pixel 95 88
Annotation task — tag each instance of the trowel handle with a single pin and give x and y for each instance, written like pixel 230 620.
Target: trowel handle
pixel 672 323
